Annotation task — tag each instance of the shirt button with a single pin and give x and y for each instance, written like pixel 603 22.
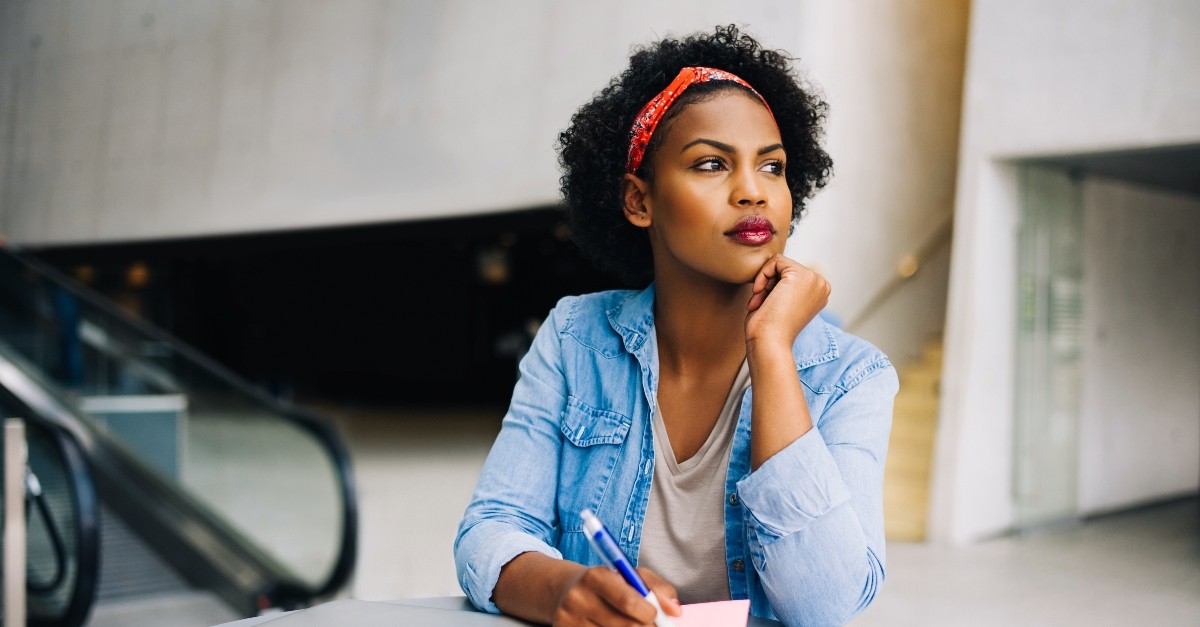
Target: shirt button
pixel 733 499
pixel 738 566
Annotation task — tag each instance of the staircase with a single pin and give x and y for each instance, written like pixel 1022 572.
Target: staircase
pixel 910 450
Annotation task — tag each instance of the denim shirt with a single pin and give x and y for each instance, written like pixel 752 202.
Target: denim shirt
pixel 803 533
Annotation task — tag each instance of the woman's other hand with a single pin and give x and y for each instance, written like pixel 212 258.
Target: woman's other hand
pixel 786 297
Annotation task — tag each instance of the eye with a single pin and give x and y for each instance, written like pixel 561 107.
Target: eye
pixel 775 167
pixel 709 164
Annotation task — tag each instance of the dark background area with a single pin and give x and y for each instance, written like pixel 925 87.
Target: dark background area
pixel 416 313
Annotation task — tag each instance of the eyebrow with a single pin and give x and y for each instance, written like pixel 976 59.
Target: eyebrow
pixel 722 146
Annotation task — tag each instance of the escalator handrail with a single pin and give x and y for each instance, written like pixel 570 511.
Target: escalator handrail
pixel 87 530
pixel 314 424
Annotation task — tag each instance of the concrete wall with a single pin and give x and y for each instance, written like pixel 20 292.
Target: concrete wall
pixel 157 118
pixel 1043 77
pixel 892 72
pixel 148 119
pixel 1139 427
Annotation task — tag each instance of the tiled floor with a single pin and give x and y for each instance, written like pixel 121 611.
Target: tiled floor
pixel 415 472
pixel 1137 568
pixel 187 609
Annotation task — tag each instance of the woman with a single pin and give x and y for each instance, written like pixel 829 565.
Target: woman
pixel 731 440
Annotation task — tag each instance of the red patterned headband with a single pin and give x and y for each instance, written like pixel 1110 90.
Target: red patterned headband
pixel 648 118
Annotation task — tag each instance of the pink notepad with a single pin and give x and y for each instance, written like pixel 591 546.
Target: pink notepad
pixel 716 614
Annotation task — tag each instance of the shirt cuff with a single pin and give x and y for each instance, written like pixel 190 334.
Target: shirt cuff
pixel 483 575
pixel 793 488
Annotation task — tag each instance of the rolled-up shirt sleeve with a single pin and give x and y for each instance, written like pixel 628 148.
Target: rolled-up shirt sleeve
pixel 815 509
pixel 512 509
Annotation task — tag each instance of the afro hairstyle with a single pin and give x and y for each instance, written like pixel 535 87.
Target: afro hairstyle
pixel 593 149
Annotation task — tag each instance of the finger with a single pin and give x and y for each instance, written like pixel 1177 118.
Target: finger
pixel 584 605
pixel 769 270
pixel 605 615
pixel 667 596
pixel 619 595
pixel 756 301
pixel 599 613
pixel 772 273
pixel 760 295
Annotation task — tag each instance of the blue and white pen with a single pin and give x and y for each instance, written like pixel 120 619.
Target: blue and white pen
pixel 604 546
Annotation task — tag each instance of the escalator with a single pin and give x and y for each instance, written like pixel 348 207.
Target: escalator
pixel 236 493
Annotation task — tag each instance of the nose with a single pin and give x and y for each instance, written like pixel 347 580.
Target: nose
pixel 748 190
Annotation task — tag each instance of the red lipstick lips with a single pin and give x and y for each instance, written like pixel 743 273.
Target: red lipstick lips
pixel 752 231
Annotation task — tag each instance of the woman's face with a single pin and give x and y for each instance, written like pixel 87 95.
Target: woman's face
pixel 718 203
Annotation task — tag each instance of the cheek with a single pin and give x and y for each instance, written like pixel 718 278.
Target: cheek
pixel 684 209
pixel 783 200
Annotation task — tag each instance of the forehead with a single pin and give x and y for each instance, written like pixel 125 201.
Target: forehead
pixel 729 116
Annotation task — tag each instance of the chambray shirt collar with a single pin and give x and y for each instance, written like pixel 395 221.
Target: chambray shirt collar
pixel 633 319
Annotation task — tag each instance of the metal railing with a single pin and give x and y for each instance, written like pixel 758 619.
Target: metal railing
pixel 906 269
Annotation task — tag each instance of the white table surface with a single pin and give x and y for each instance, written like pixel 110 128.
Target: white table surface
pixel 431 612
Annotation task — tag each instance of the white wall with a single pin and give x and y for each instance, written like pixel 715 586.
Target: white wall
pixel 1139 427
pixel 1043 77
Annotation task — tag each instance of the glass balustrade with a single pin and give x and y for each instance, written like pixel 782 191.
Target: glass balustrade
pixel 273 474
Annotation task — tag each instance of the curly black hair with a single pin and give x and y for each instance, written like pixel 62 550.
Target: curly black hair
pixel 593 149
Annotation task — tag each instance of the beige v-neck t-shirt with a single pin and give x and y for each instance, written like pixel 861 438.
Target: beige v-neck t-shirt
pixel 683 537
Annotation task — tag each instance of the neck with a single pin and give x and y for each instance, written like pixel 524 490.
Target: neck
pixel 699 323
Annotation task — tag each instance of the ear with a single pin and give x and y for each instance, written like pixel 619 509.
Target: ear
pixel 637 210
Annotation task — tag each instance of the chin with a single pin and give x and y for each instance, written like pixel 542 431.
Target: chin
pixel 750 266
pixel 743 275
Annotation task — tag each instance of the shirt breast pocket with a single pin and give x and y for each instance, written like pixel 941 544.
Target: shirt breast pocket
pixel 594 440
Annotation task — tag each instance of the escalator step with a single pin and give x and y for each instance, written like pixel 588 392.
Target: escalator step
pixel 128 567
